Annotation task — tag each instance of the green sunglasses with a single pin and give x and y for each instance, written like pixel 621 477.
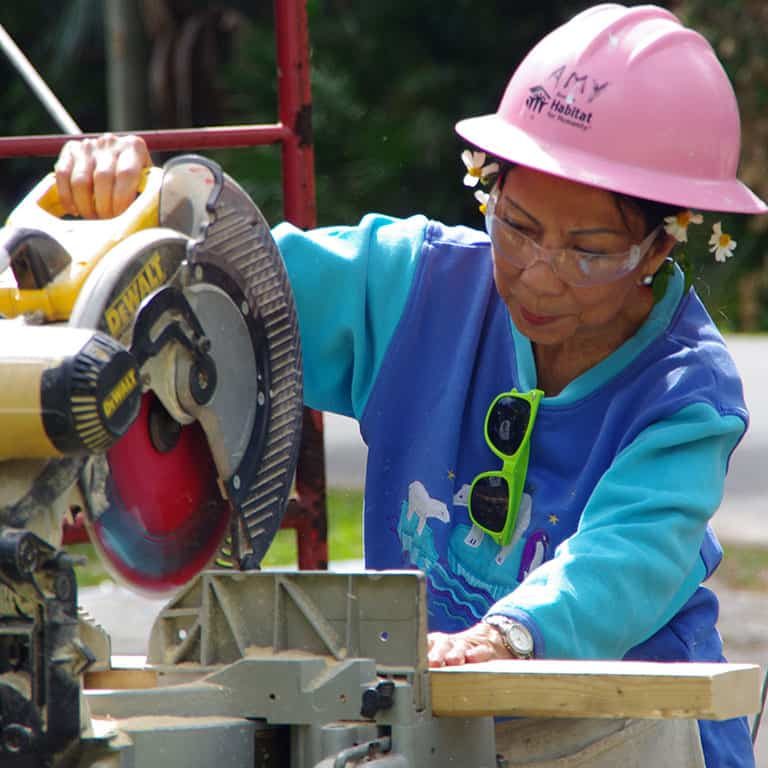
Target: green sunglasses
pixel 494 497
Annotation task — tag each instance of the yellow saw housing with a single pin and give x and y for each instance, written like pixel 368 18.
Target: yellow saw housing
pixel 87 241
pixel 65 391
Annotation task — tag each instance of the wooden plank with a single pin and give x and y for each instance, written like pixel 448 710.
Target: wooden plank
pixel 557 688
pixel 125 673
pixel 120 679
pixel 554 688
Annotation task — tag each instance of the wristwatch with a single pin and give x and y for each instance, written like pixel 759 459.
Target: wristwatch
pixel 516 637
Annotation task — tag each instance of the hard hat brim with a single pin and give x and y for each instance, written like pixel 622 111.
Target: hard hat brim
pixel 504 140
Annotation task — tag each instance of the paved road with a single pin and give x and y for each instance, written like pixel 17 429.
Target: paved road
pixel 742 515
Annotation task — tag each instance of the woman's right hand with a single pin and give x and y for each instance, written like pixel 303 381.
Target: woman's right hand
pixel 99 178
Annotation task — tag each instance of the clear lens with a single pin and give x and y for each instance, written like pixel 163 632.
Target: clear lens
pixel 489 502
pixel 572 266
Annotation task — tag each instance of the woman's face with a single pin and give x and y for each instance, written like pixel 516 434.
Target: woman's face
pixel 558 213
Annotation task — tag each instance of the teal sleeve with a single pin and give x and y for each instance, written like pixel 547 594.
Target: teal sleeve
pixel 351 285
pixel 634 560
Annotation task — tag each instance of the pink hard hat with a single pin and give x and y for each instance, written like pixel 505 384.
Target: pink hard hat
pixel 625 99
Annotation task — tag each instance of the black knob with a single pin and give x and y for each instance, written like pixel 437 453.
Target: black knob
pixel 378 698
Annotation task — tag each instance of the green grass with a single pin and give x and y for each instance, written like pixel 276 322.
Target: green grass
pixel 345 525
pixel 744 568
pixel 345 528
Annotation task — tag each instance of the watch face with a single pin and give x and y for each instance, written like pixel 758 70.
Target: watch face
pixel 520 639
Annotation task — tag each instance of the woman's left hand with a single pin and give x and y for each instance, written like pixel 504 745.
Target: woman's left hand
pixel 480 642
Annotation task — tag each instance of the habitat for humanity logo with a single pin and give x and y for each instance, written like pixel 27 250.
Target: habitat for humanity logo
pixel 538 99
pixel 574 92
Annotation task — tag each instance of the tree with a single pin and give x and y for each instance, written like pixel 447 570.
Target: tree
pixel 735 28
pixel 389 82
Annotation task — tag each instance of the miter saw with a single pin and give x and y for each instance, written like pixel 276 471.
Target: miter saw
pixel 152 378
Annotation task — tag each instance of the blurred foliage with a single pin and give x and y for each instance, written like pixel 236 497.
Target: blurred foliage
pixel 389 81
pixel 65 44
pixel 737 293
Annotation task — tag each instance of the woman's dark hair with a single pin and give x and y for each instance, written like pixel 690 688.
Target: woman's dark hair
pixel 653 212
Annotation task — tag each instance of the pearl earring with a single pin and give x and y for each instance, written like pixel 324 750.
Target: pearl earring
pixel 647 280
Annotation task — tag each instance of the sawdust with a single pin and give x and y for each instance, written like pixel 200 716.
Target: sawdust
pixel 170 722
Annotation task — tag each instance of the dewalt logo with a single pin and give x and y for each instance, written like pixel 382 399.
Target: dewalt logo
pixel 119 393
pixel 121 311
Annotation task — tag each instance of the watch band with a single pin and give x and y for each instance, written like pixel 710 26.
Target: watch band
pixel 516 637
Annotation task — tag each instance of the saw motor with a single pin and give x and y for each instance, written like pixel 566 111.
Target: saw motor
pixel 65 391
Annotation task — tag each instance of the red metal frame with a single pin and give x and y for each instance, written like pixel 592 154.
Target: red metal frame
pixel 307 513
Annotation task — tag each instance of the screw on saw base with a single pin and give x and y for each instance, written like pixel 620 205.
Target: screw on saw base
pixel 366 751
pixel 16 738
pixel 64 585
pixel 19 552
pixel 378 698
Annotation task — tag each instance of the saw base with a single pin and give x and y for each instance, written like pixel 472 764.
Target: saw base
pixel 332 668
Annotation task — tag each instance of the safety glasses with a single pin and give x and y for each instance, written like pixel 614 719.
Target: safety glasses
pixel 494 497
pixel 572 265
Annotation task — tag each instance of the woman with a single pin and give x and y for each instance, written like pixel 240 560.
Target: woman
pixel 546 441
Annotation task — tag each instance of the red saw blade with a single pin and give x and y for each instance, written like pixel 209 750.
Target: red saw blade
pixel 165 517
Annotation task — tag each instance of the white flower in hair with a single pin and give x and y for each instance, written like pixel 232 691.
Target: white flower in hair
pixel 476 168
pixel 677 226
pixel 482 198
pixel 721 243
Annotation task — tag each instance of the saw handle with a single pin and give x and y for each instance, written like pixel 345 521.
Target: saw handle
pixel 87 241
pixel 41 208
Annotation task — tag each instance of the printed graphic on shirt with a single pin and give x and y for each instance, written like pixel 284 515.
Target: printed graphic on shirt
pixel 476 570
pixel 449 594
pixel 423 506
pixel 534 553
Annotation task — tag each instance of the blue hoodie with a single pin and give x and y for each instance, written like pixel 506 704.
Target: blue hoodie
pixel 402 328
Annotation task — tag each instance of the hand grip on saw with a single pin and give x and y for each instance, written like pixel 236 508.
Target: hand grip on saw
pixel 53 295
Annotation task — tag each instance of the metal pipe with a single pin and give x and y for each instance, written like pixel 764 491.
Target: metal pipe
pixel 160 141
pixel 126 65
pixel 384 744
pixel 295 111
pixel 37 84
pixel 309 514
